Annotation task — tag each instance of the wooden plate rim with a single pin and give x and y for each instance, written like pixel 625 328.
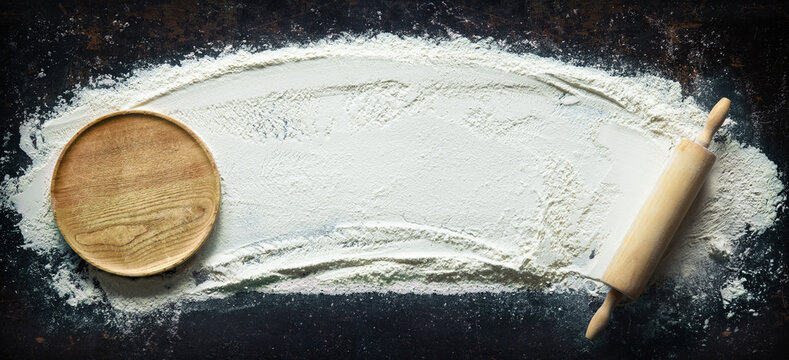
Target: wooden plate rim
pixel 183 127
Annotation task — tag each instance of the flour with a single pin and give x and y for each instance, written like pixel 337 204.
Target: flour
pixel 733 291
pixel 405 165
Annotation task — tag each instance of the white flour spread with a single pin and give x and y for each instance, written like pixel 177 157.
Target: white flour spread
pixel 406 165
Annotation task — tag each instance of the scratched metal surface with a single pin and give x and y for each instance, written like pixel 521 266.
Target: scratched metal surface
pixel 736 50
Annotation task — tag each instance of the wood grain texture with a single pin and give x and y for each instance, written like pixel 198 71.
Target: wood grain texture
pixel 135 193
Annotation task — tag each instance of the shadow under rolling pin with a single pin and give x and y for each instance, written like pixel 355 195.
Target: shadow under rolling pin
pixel 644 244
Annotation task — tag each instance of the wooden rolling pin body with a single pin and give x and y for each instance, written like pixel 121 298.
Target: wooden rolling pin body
pixel 658 220
pixel 645 243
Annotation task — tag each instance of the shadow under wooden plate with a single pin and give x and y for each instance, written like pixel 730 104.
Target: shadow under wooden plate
pixel 135 193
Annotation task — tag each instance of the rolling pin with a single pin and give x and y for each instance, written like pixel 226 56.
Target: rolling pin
pixel 648 237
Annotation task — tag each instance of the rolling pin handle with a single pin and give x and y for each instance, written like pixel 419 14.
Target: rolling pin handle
pixel 714 122
pixel 600 319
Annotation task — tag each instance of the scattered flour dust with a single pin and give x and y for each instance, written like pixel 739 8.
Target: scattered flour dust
pixel 408 165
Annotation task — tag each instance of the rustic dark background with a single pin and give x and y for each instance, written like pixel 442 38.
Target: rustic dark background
pixel 712 49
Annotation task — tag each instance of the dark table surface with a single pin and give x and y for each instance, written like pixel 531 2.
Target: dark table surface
pixel 713 50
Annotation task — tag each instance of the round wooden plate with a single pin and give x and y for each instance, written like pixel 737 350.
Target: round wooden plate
pixel 135 193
